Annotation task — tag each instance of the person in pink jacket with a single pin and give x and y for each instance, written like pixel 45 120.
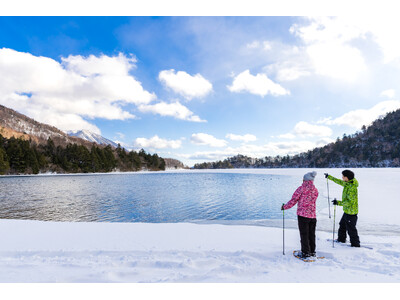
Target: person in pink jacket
pixel 305 196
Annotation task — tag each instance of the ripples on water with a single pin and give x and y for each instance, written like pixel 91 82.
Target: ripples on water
pixel 149 197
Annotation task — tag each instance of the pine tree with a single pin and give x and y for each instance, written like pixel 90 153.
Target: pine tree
pixel 4 165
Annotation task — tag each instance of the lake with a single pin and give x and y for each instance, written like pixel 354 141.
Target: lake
pixel 147 197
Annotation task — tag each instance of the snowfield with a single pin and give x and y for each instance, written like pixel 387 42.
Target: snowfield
pixel 34 251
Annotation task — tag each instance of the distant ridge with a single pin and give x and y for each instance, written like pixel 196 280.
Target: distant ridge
pixel 13 123
pixel 375 146
pixel 92 137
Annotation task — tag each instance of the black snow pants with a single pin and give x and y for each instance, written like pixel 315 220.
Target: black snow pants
pixel 307 234
pixel 348 224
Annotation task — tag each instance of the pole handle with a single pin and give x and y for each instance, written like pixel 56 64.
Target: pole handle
pixel 329 204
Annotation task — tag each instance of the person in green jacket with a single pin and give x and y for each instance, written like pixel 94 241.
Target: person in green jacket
pixel 350 207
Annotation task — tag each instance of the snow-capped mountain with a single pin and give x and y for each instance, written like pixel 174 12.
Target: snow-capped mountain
pixel 13 123
pixel 92 137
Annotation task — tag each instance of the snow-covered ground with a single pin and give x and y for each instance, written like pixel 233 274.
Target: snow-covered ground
pixel 33 251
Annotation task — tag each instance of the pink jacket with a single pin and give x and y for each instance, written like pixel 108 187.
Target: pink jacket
pixel 305 195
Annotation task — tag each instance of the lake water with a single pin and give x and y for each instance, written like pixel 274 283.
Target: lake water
pixel 147 197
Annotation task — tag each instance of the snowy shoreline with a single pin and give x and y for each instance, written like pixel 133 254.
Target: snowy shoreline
pixel 36 251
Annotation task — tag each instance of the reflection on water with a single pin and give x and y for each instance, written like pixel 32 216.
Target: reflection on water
pixel 152 197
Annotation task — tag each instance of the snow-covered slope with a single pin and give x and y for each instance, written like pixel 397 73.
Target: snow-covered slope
pixel 92 137
pixel 33 251
pixel 13 123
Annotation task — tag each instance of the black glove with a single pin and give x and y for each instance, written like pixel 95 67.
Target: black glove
pixel 282 207
pixel 326 175
pixel 335 202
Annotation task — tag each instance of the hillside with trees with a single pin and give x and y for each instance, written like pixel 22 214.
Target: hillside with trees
pixel 20 156
pixel 31 147
pixel 375 146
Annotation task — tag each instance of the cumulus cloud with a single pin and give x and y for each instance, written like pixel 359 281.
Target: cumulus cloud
pixel 241 138
pixel 258 151
pixel 175 110
pixel 388 93
pixel 66 94
pixel 207 140
pixel 287 136
pixel 327 45
pixel 330 42
pixel 358 118
pixel 306 129
pixel 337 60
pixel 184 84
pixel 291 73
pixel 259 85
pixel 157 143
pixel 265 45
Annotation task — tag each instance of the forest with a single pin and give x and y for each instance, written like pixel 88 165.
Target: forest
pixel 20 156
pixel 377 145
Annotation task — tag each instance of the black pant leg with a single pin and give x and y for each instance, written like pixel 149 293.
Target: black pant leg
pixel 351 222
pixel 342 229
pixel 311 234
pixel 304 234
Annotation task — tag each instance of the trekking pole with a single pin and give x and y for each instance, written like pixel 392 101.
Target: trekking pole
pixel 333 233
pixel 329 204
pixel 283 214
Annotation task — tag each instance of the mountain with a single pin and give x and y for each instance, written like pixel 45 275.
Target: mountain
pixel 92 137
pixel 15 124
pixel 30 147
pixel 375 146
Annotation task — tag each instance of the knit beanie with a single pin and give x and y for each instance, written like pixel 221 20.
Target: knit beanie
pixel 310 176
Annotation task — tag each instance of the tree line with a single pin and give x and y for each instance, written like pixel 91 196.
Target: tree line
pixel 19 156
pixel 375 146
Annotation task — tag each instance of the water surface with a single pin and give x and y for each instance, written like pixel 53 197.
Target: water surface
pixel 147 197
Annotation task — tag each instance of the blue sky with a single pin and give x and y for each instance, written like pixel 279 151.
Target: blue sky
pixel 203 88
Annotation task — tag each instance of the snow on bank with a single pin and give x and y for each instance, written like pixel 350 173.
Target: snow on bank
pixel 34 251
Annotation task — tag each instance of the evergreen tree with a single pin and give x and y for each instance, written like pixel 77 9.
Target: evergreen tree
pixel 4 165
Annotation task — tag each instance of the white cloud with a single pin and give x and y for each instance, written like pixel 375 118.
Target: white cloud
pixel 388 93
pixel 265 45
pixel 291 73
pixel 207 140
pixel 157 143
pixel 256 151
pixel 327 44
pixel 241 138
pixel 253 45
pixel 97 65
pixel 185 84
pixel 289 136
pixel 331 42
pixel 336 60
pixel 64 94
pixel 175 110
pixel 358 118
pixel 259 85
pixel 306 129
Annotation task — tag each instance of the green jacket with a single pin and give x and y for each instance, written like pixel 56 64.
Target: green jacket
pixel 349 196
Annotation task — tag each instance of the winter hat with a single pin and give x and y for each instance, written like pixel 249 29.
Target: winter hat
pixel 310 176
pixel 349 174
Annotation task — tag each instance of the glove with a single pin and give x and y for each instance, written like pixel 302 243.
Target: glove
pixel 335 202
pixel 326 175
pixel 282 207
